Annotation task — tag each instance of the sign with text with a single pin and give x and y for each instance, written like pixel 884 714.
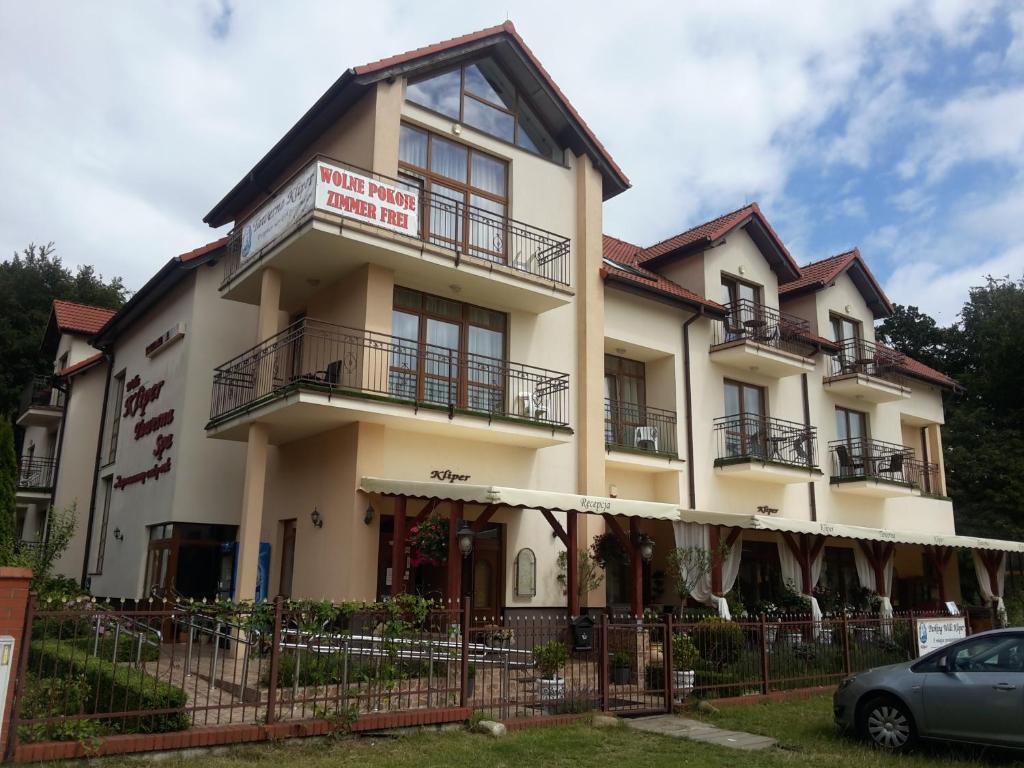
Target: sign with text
pixel 279 215
pixel 350 194
pixel 933 634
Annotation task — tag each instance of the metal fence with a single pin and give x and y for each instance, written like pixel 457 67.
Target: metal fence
pixel 747 320
pixel 749 437
pixel 864 459
pixel 36 472
pixel 334 358
pixel 41 392
pixel 640 427
pixel 859 356
pixel 444 222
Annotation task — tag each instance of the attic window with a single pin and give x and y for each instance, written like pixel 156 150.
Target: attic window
pixel 479 95
pixel 628 268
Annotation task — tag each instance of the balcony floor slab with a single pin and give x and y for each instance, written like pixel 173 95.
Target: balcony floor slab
pixel 641 461
pixel 766 472
pixel 874 488
pixel 871 389
pixel 748 355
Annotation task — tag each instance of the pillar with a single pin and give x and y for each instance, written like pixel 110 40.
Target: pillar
pixel 398 548
pixel 715 543
pixel 636 595
pixel 572 564
pixel 270 304
pixel 251 525
pixel 14 584
pixel 454 556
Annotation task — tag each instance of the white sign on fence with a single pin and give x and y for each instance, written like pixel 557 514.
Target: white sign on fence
pixel 279 215
pixel 339 190
pixel 933 634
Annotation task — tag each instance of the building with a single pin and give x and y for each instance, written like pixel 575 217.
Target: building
pixel 417 317
pixel 54 470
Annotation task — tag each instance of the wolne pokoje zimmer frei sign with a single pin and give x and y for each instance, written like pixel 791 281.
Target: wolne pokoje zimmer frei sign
pixel 337 190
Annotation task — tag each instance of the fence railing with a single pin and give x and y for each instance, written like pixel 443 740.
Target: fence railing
pixel 640 427
pixel 444 222
pixel 334 358
pixel 761 438
pixel 865 357
pixel 36 472
pixel 90 671
pixel 864 459
pixel 751 321
pixel 924 475
pixel 41 392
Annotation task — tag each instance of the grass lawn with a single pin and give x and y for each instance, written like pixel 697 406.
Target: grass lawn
pixel 803 728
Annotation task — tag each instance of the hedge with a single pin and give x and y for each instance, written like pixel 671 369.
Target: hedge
pixel 113 688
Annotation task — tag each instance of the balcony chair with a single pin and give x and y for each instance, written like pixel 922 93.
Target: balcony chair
pixel 847 465
pixel 800 445
pixel 646 438
pixel 893 467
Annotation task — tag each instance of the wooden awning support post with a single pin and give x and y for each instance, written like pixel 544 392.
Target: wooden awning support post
pixel 454 556
pixel 878 554
pixel 398 541
pixel 939 557
pixel 636 595
pixel 805 548
pixel 992 560
pixel 715 544
pixel 572 564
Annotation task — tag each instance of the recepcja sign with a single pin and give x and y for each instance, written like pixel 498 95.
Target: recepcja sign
pixel 335 190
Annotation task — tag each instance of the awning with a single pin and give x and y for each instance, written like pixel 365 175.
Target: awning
pixel 522 498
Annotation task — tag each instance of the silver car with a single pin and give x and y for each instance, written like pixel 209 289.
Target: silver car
pixel 970 691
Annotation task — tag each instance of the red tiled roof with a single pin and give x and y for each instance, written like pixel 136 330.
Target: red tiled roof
pixel 507 28
pixel 80 318
pixel 707 233
pixel 919 370
pixel 819 274
pixel 626 254
pixel 81 365
pixel 202 250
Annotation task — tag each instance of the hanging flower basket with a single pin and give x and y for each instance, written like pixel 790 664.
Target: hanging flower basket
pixel 428 542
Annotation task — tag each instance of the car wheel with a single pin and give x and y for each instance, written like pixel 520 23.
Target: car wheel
pixel 887 723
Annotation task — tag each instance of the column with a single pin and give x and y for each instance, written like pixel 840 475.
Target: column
pixel 636 599
pixel 398 548
pixel 252 512
pixel 454 556
pixel 270 304
pixel 572 564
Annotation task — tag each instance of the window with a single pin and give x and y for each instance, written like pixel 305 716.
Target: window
pixel 845 329
pixel 745 412
pixel 62 363
pixel 626 395
pixel 851 426
pixel 1000 653
pixel 480 95
pixel 108 490
pixel 447 352
pixel 735 290
pixel 115 418
pixel 453 176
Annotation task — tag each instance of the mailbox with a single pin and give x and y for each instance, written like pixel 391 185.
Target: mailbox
pixel 583 633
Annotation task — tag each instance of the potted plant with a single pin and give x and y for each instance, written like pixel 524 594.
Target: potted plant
pixel 621 672
pixel 684 658
pixel 471 681
pixel 429 542
pixel 771 612
pixel 549 658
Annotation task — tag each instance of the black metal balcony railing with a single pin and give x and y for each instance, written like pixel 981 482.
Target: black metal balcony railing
pixel 924 475
pixel 864 459
pixel 750 321
pixel 331 357
pixel 444 222
pixel 640 427
pixel 36 473
pixel 764 439
pixel 868 358
pixel 41 392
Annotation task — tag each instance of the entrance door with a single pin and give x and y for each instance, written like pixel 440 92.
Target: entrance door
pixel 482 576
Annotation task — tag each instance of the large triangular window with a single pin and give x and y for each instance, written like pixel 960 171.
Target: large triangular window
pixel 479 95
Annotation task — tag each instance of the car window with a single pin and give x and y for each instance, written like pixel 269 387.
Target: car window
pixel 1000 653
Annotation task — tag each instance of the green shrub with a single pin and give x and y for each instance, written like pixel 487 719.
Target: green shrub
pixel 622 659
pixel 718 641
pixel 684 653
pixel 550 657
pixel 127 647
pixel 56 697
pixel 113 687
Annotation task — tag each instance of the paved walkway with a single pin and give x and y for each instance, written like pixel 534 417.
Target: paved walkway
pixel 684 728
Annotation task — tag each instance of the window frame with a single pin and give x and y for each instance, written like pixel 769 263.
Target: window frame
pixel 115 421
pixel 835 320
pixel 866 422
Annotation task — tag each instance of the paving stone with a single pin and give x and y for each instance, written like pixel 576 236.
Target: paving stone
pixel 684 728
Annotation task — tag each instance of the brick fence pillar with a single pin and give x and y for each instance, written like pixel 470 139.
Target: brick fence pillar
pixel 14 584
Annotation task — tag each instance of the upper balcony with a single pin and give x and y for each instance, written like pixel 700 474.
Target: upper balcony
pixel 867 371
pixel 759 338
pixel 42 403
pixel 330 218
pixel 315 376
pixel 883 470
pixel 35 478
pixel 638 432
pixel 752 447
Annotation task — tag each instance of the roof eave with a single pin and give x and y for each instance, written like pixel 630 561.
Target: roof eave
pixel 671 298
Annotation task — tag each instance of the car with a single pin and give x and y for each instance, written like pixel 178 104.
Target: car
pixel 970 691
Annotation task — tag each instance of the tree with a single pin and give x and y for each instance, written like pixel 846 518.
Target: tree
pixel 29 283
pixel 8 484
pixel 914 333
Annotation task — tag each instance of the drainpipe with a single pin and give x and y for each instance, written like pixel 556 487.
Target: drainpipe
pixel 812 500
pixel 96 470
pixel 688 398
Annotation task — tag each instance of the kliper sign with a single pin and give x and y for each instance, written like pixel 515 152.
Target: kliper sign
pixel 355 196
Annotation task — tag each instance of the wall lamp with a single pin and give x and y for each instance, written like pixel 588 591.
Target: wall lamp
pixel 465 535
pixel 118 535
pixel 368 515
pixel 646 545
pixel 317 518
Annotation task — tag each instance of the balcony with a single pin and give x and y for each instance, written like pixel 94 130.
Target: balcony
pixel 315 376
pixel 867 371
pixel 878 469
pixel 637 433
pixel 764 449
pixel 331 218
pixel 42 403
pixel 35 479
pixel 758 338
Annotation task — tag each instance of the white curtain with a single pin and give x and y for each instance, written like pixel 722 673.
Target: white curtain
pixel 697 536
pixel 866 577
pixel 985 585
pixel 791 574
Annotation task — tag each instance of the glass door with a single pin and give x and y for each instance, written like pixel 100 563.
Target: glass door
pixel 746 433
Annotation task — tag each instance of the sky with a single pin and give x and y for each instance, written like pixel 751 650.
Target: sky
pixel 890 125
